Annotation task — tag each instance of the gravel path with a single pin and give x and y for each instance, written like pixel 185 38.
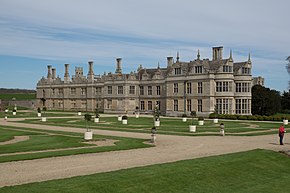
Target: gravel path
pixel 168 148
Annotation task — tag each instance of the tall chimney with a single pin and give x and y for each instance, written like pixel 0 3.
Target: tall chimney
pixel 91 70
pixel 118 67
pixel 169 61
pixel 66 74
pixel 217 53
pixel 49 72
pixel 53 73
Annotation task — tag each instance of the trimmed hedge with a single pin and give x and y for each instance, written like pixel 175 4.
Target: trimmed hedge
pixel 249 117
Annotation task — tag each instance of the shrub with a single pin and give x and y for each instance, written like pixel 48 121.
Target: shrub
pixel 200 118
pixel 184 115
pixel 38 110
pixel 124 117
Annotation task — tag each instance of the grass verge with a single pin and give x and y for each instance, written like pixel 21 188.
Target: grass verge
pixel 253 171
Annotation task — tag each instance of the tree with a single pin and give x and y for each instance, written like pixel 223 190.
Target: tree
pixel 265 101
pixel 285 102
pixel 288 67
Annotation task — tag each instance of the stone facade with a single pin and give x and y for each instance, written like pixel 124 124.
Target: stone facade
pixel 202 85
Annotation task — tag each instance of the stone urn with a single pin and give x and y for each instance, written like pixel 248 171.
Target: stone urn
pixel 88 135
pixel 157 123
pixel 39 114
pixel 192 128
pixel 285 122
pixel 124 121
pixel 215 120
pixel 119 118
pixel 43 119
pixel 201 122
pixel 79 113
pixel 184 119
pixel 96 119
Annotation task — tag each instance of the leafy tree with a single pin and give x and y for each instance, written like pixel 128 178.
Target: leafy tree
pixel 265 101
pixel 288 67
pixel 285 102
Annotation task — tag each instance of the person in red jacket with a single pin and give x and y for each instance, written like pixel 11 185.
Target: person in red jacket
pixel 281 134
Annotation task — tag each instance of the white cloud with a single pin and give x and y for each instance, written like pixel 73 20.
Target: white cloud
pixel 75 30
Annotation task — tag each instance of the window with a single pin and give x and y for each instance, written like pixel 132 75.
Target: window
pixel 243 106
pixel 175 105
pixel 73 103
pixel 158 103
pixel 198 69
pixel 243 87
pixel 149 90
pixel 199 87
pixel 53 91
pixel 109 103
pixel 83 91
pixel 132 90
pixel 73 91
pixel 246 70
pixel 149 105
pixel 177 71
pixel 224 106
pixel 98 90
pixel 84 104
pixel 223 87
pixel 199 105
pixel 60 104
pixel 175 87
pixel 141 90
pixel 188 102
pixel 110 89
pixel 60 91
pixel 188 88
pixel 158 90
pixel 120 89
pixel 142 105
pixel 227 68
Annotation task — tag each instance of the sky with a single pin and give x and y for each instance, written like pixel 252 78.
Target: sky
pixel 34 34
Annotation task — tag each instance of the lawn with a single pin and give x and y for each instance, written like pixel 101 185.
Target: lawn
pixel 172 126
pixel 18 96
pixel 253 171
pixel 31 114
pixel 54 140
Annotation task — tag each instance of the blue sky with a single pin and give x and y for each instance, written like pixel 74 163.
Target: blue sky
pixel 35 33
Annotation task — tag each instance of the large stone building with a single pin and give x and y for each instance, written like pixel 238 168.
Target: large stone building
pixel 202 85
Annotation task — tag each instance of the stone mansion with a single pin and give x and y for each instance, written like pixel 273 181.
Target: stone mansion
pixel 201 85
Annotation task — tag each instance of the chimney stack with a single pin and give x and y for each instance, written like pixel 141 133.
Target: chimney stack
pixel 169 61
pixel 49 72
pixel 53 73
pixel 91 70
pixel 66 74
pixel 118 67
pixel 217 53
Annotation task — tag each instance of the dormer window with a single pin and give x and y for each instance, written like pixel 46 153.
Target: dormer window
pixel 198 69
pixel 227 68
pixel 246 70
pixel 177 71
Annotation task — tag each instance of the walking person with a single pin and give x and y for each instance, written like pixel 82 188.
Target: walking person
pixel 281 134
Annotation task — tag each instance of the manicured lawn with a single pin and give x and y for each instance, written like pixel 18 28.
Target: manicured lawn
pixel 253 171
pixel 49 140
pixel 170 125
pixel 31 114
pixel 18 96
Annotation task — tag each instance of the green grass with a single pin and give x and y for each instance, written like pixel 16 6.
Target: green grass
pixel 53 140
pixel 253 171
pixel 18 96
pixel 31 114
pixel 172 126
